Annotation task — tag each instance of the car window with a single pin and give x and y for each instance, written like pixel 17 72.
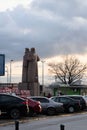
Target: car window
pixel 56 99
pixel 53 98
pixel 7 98
pixel 42 100
pixel 64 99
pixel 77 98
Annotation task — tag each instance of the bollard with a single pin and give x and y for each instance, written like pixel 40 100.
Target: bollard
pixel 62 127
pixel 16 125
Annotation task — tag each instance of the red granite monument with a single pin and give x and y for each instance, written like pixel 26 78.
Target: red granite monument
pixel 30 72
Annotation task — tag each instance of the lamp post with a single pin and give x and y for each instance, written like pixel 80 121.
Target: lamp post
pixel 7 72
pixel 11 69
pixel 42 73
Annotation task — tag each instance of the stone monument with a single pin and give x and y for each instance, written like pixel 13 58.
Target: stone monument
pixel 30 72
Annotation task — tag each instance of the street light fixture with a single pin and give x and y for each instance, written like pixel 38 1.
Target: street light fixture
pixel 11 69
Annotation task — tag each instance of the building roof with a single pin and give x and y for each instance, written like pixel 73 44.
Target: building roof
pixel 58 85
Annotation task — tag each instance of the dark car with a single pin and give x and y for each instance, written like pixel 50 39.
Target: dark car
pixel 34 106
pixel 13 105
pixel 49 107
pixel 70 105
pixel 81 99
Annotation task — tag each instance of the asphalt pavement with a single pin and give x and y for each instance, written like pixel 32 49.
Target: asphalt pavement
pixel 4 120
pixel 70 122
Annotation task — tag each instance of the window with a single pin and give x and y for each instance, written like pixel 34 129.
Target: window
pixel 7 98
pixel 63 99
pixel 42 100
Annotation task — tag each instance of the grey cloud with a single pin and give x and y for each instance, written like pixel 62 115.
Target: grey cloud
pixel 63 8
pixel 53 27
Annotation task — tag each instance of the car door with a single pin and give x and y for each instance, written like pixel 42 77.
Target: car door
pixel 3 103
pixel 65 101
pixel 44 103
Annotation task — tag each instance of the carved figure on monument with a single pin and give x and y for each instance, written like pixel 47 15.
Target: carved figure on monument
pixel 30 67
pixel 25 65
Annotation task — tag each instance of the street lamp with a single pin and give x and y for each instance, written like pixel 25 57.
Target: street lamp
pixel 10 69
pixel 7 72
pixel 43 73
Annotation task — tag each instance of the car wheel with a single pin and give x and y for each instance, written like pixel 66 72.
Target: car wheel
pixel 71 109
pixel 50 111
pixel 15 113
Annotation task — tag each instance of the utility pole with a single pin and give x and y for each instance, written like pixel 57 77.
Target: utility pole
pixel 11 69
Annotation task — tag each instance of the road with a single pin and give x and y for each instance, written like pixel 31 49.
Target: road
pixel 70 121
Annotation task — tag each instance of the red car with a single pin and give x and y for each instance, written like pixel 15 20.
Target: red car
pixel 34 106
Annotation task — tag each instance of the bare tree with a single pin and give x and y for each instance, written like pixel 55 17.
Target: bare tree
pixel 69 71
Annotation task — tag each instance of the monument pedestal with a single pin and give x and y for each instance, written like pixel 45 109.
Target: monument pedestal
pixel 32 87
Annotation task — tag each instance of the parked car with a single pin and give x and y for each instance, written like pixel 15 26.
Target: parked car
pixel 49 107
pixel 70 105
pixel 34 106
pixel 13 105
pixel 81 99
pixel 85 98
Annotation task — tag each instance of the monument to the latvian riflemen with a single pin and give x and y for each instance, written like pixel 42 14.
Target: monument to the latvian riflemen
pixel 30 72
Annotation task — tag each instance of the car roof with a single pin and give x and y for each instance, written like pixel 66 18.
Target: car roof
pixel 63 96
pixel 38 97
pixel 75 95
pixel 13 95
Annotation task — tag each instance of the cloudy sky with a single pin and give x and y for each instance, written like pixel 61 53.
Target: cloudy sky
pixel 53 27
